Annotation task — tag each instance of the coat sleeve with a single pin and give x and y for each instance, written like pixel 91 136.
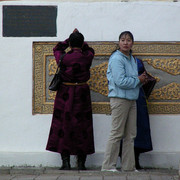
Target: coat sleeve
pixel 59 49
pixel 86 49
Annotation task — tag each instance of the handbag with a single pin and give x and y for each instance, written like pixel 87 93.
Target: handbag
pixel 56 81
pixel 148 87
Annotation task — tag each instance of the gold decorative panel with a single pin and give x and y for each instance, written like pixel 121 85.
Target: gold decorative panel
pixel 161 59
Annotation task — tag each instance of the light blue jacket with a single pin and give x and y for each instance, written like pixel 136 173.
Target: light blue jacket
pixel 122 75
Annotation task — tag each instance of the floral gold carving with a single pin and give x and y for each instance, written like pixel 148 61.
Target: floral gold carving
pixel 159 56
pixel 169 92
pixel 98 81
pixel 51 94
pixel 52 67
pixel 169 65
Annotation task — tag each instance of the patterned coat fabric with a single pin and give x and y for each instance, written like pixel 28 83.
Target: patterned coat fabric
pixel 72 125
pixel 143 139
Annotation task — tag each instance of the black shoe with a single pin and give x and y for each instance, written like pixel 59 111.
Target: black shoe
pixel 65 167
pixel 81 166
pixel 81 162
pixel 65 162
pixel 138 167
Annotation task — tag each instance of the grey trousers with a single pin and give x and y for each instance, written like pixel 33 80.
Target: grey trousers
pixel 123 127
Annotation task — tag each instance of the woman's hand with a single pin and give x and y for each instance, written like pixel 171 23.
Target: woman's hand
pixel 143 78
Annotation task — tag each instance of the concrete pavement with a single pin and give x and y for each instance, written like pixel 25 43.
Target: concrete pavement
pixel 46 173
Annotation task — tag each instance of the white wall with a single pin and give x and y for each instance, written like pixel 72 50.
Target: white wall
pixel 23 136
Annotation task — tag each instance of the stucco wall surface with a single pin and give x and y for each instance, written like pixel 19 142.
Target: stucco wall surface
pixel 23 136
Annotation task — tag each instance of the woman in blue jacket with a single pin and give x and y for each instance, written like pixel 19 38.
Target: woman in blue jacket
pixel 124 84
pixel 142 142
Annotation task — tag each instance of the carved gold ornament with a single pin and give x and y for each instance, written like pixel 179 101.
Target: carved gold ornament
pixel 98 81
pixel 169 92
pixel 162 60
pixel 52 67
pixel 169 65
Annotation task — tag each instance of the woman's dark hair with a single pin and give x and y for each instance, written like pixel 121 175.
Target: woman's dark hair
pixel 126 33
pixel 76 39
pixel 120 36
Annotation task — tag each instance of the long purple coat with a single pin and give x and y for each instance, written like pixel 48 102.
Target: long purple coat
pixel 72 127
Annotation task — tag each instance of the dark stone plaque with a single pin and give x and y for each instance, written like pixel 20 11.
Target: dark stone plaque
pixel 29 21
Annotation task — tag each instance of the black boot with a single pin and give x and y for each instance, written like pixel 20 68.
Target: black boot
pixel 120 149
pixel 81 162
pixel 137 153
pixel 65 162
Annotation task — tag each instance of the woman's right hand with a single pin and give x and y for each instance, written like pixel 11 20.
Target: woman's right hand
pixel 143 78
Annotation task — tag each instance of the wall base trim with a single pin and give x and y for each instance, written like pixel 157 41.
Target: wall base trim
pixel 49 159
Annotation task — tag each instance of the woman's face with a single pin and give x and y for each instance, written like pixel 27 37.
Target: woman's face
pixel 125 44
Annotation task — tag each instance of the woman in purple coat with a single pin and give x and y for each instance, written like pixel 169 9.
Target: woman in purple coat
pixel 71 131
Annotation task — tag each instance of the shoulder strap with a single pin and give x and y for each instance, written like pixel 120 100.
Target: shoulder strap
pixel 61 58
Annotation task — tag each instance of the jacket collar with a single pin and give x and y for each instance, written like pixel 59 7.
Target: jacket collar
pixel 124 54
